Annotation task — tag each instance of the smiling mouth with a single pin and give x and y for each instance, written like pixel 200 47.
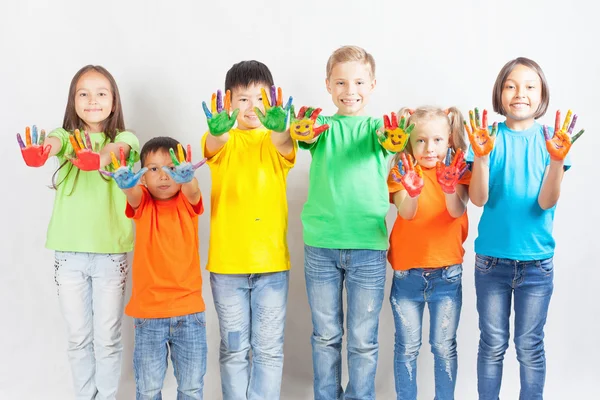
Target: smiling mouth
pixel 557 146
pixel 302 133
pixel 395 143
pixel 482 143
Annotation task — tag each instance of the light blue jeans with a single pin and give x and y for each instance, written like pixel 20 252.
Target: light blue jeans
pixel 91 292
pixel 185 336
pixel 497 280
pixel 441 290
pixel 251 310
pixel 364 272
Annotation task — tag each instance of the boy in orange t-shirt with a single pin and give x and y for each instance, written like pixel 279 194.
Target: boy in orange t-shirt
pixel 166 301
pixel 426 250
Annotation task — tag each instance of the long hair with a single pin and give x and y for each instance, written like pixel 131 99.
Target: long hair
pixel 111 126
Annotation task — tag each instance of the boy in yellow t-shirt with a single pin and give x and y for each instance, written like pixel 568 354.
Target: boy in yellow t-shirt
pixel 248 256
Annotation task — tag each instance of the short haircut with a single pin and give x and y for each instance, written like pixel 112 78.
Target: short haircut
pixel 246 73
pixel 159 143
pixel 503 75
pixel 348 54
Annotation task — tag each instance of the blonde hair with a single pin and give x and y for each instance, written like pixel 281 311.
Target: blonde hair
pixel 348 54
pixel 455 120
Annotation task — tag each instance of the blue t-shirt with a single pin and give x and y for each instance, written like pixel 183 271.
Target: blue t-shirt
pixel 513 225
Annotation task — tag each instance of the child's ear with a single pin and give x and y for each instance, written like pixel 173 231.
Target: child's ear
pixel 373 84
pixel 143 180
pixel 327 85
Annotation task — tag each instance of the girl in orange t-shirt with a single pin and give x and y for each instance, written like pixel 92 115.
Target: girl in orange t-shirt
pixel 429 186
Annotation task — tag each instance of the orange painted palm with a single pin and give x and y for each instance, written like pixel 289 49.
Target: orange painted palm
pixel 560 143
pixel 481 138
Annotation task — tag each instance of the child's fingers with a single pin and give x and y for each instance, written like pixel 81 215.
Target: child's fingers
pixel 289 103
pixel 189 153
pixel 557 121
pixel 265 99
pixel 74 143
pixel 494 129
pixel 228 101
pixel 79 139
pixel 484 123
pixel 577 135
pixel 546 133
pixel 180 154
pixel 115 163
pixel 131 159
pixel 213 103
pixel 467 129
pixel 448 159
pixel 315 114
pixel 472 121
pixel 477 118
pixel 567 121
pixel 206 110
pixel 42 137
pixel 320 129
pixel 386 122
pixel 173 157
pixel 201 163
pixel 122 155
pixel 419 171
pixel 34 138
pixel 106 173
pixel 46 151
pixel 234 114
pixel 394 121
pixel 402 124
pixel 279 97
pixel 572 126
pixel 28 136
pixel 219 101
pixel 259 113
pixel 88 141
pixel 273 97
pixel 20 141
pixel 410 128
pixel 302 112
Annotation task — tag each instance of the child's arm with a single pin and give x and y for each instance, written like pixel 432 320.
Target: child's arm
pixel 456 202
pixel 191 191
pixel 219 122
pixel 480 180
pixel 550 191
pixel 115 148
pixel 134 196
pixel 283 142
pixel 407 206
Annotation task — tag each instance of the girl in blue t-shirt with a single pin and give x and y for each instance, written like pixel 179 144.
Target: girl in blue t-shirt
pixel 517 169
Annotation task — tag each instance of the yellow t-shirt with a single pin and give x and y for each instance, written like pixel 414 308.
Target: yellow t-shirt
pixel 248 205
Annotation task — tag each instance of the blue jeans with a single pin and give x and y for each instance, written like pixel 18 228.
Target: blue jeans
pixel 251 310
pixel 441 289
pixel 91 292
pixel 364 272
pixel 185 336
pixel 496 279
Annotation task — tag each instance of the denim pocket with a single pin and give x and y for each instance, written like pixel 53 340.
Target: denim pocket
pixel 200 318
pixel 452 273
pixel 484 263
pixel 139 322
pixel 546 266
pixel 400 274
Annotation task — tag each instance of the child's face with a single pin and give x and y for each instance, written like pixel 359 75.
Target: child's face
pixel 350 85
pixel 160 185
pixel 521 94
pixel 246 99
pixel 93 100
pixel 430 141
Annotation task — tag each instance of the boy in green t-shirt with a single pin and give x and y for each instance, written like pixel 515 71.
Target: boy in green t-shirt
pixel 345 234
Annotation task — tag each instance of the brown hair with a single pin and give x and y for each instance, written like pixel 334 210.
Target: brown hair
pixel 350 53
pixel 503 75
pixel 452 115
pixel 111 126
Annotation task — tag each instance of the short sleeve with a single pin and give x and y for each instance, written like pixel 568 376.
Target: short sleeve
pixel 212 158
pixel 131 140
pixel 194 209
pixel 393 185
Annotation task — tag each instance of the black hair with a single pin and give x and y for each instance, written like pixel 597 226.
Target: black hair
pixel 159 143
pixel 246 73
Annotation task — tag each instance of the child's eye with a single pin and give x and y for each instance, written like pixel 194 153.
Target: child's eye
pixel 154 169
pixel 420 141
pixel 530 87
pixel 360 83
pixel 339 83
pixel 82 94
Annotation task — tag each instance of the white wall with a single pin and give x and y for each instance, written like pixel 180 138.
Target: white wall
pixel 168 58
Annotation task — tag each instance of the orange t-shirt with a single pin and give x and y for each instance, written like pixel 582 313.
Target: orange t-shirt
pixel 167 280
pixel 432 239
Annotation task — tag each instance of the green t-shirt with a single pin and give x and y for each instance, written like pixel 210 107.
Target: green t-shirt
pixel 89 211
pixel 347 195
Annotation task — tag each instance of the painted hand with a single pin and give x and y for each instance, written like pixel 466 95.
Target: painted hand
pixel 85 158
pixel 275 116
pixel 449 173
pixel 302 126
pixel 222 122
pixel 559 145
pixel 482 140
pixel 34 153
pixel 411 176
pixel 183 171
pixel 123 175
pixel 394 137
